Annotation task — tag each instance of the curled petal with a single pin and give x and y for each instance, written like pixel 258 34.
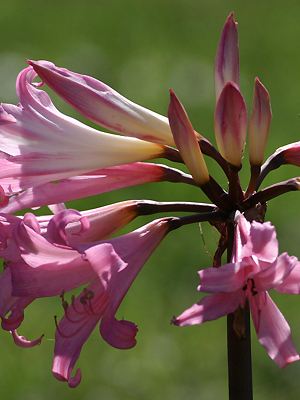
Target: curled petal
pixel 273 330
pixel 119 334
pixel 227 58
pixel 231 124
pixel 274 275
pixel 22 341
pixel 209 308
pixel 103 105
pixel 73 331
pixel 57 226
pixel 16 313
pixel 259 123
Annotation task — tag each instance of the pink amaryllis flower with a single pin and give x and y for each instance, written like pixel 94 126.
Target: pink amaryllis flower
pixel 255 268
pixel 89 184
pixel 103 105
pixel 49 262
pixel 39 144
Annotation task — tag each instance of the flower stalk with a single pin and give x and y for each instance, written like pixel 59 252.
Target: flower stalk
pixel 239 359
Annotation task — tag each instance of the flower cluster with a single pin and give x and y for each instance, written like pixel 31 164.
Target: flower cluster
pixel 48 159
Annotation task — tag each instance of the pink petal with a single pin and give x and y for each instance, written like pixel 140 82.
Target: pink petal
pixel 259 123
pixel 58 224
pixel 272 276
pixel 273 330
pixel 119 334
pixel 263 242
pixel 231 124
pixel 52 270
pixel 241 237
pixel 227 278
pixel 96 182
pixel 227 58
pixel 186 140
pixel 6 298
pixel 103 222
pixel 16 313
pixel 209 308
pixel 291 283
pixel 103 105
pixel 22 341
pixel 48 145
pixel 73 330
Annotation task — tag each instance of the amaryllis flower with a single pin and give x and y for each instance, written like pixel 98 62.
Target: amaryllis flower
pixel 51 266
pixel 95 182
pixel 256 268
pixel 103 105
pixel 39 144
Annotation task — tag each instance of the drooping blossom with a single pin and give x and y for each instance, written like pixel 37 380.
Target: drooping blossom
pixel 255 269
pixel 103 105
pixel 90 184
pixel 39 144
pixel 47 261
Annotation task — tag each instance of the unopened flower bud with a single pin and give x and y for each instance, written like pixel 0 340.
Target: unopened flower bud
pixel 231 124
pixel 259 123
pixel 186 140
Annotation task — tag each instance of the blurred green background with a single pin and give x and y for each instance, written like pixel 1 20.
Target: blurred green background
pixel 142 48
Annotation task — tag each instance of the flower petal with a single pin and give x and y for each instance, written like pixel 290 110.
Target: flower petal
pixel 263 242
pixel 48 145
pixel 103 105
pixel 73 331
pixel 227 278
pixel 273 331
pixel 119 334
pixel 95 182
pixel 291 283
pixel 22 341
pixel 209 308
pixel 272 276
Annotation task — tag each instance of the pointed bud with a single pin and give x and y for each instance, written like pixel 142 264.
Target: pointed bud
pixel 259 123
pixel 227 58
pixel 186 140
pixel 231 124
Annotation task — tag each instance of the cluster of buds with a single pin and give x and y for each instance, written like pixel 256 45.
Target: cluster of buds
pixel 48 158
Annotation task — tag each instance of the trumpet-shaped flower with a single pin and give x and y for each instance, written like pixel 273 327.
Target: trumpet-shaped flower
pixel 40 144
pixel 47 261
pixel 103 105
pixel 90 184
pixel 256 268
